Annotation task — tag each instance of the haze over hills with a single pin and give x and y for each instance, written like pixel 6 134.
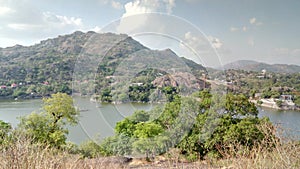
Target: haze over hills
pixel 47 67
pixel 250 65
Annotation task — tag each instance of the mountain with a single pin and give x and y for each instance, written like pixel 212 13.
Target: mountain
pixel 98 61
pixel 259 66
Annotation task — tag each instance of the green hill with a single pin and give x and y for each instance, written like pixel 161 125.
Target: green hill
pixel 49 66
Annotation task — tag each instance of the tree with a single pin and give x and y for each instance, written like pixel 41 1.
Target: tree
pixel 238 105
pixel 170 92
pixel 105 95
pixel 216 122
pixel 125 127
pixel 40 127
pixel 297 100
pixel 61 109
pixel 49 127
pixel 236 122
pixel 279 103
pixel 147 129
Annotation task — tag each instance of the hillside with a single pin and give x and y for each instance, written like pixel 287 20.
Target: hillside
pixel 48 67
pixel 249 65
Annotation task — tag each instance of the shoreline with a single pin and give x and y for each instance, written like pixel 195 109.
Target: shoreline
pixel 274 106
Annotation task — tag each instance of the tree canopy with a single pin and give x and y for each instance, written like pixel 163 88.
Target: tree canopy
pixel 219 120
pixel 49 126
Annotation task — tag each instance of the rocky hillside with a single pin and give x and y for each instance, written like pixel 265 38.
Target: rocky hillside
pixel 48 67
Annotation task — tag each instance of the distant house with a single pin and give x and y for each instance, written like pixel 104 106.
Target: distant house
pixel 3 87
pixel 229 83
pixel 13 85
pixel 262 74
pixel 286 97
pixel 46 83
pixel 136 84
pixel 109 77
pixel 260 77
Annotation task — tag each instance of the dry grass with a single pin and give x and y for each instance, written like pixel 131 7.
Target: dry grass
pixel 285 154
pixel 282 157
pixel 21 154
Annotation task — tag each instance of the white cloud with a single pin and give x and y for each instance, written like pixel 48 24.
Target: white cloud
pixel 148 6
pixel 133 8
pixel 170 5
pixel 215 42
pixel 113 3
pixel 233 29
pixel 22 22
pixel 22 27
pixel 202 43
pixel 4 10
pixel 252 21
pixel 49 17
pixel 203 47
pixel 133 20
pixel 116 5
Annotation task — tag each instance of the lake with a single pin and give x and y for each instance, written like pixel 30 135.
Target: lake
pixel 98 121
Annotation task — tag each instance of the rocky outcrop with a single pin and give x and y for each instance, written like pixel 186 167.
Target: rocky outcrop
pixel 179 79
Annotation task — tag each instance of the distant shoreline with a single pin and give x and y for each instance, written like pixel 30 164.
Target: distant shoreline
pixel 274 106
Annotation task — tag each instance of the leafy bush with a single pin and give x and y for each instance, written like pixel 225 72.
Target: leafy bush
pixel 90 149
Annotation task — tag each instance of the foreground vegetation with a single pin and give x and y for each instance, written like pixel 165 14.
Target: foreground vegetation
pixel 219 131
pixel 21 153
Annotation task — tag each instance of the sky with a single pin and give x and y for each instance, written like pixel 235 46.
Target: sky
pixel 211 32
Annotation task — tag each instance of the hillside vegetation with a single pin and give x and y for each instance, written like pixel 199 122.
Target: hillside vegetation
pixel 48 67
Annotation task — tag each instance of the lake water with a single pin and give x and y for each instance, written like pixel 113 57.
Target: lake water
pixel 98 121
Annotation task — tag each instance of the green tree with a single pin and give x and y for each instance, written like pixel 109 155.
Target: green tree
pixel 170 112
pixel 61 109
pixel 125 127
pixel 297 100
pixel 216 121
pixel 235 121
pixel 49 127
pixel 170 92
pixel 279 103
pixel 147 129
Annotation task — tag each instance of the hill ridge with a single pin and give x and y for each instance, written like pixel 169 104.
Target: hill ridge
pixel 250 65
